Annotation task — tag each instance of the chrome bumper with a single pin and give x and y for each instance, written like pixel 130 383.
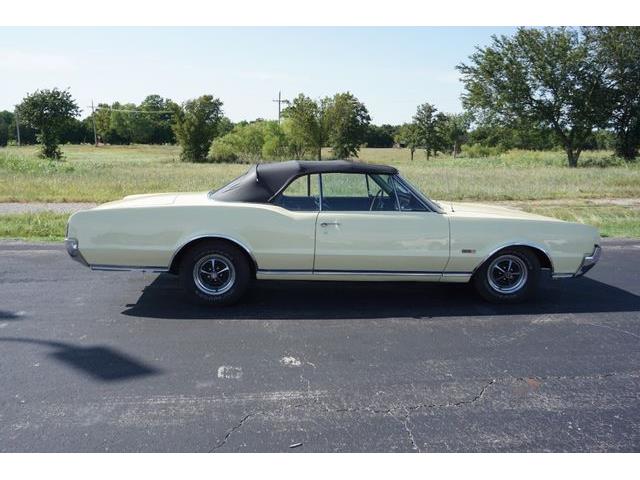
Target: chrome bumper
pixel 589 261
pixel 71 244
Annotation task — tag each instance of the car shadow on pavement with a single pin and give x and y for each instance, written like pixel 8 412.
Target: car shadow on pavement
pixel 358 300
pixel 101 363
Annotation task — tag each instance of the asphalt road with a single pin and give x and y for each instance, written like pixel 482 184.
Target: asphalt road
pixel 93 361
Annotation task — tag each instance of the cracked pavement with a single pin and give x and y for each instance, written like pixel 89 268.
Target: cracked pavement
pixel 111 361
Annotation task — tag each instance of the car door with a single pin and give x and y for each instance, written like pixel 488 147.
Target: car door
pixel 363 228
pixel 285 237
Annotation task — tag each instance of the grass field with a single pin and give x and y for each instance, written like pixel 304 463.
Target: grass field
pixel 91 174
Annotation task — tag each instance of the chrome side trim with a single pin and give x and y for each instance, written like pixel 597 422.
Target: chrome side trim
pixel 516 244
pixel 558 276
pixel 212 236
pixel 377 273
pixel 126 268
pixel 365 273
pixel 284 273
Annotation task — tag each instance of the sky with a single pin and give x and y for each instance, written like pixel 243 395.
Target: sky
pixel 391 70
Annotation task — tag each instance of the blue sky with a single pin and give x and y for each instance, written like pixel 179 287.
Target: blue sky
pixel 391 70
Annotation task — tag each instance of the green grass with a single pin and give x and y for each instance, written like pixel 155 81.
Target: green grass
pixel 611 220
pixel 42 226
pixel 91 174
pixel 101 174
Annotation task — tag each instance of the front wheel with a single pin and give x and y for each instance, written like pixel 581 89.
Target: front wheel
pixel 509 276
pixel 215 273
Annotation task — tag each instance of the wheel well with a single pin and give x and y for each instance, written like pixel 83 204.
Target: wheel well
pixel 543 258
pixel 175 263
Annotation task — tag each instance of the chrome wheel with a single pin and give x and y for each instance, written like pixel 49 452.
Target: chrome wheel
pixel 214 274
pixel 507 274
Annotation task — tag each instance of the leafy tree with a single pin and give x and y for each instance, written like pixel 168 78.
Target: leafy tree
pixel 408 137
pixel 346 120
pixel 195 126
pixel 545 77
pixel 77 131
pixel 429 124
pixel 224 126
pixel 380 136
pixel 48 111
pixel 251 142
pixel 6 119
pixel 455 129
pixel 102 119
pixel 618 54
pixel 155 120
pixel 305 124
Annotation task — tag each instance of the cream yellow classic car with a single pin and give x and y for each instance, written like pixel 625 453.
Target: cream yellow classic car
pixel 327 220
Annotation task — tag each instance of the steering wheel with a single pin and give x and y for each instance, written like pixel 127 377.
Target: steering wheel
pixel 375 198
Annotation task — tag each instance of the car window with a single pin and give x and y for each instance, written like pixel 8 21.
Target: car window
pixel 407 200
pixel 357 192
pixel 303 194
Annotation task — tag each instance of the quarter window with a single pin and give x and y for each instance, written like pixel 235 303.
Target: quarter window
pixel 407 200
pixel 303 194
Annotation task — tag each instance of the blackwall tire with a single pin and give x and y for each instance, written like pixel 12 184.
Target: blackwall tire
pixel 509 276
pixel 215 273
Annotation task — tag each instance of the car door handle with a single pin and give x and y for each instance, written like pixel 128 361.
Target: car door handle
pixel 326 224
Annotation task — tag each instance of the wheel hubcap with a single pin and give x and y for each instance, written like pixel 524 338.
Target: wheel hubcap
pixel 214 274
pixel 507 274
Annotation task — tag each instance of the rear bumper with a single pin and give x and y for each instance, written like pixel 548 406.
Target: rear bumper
pixel 71 244
pixel 588 262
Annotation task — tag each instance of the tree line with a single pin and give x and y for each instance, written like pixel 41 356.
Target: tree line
pixel 552 88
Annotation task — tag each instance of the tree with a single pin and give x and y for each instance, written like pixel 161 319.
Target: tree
pixel 305 124
pixel 195 126
pixel 617 50
pixel 429 122
pixel 346 121
pixel 6 119
pixel 455 131
pixel 251 142
pixel 380 136
pixel 48 111
pixel 155 119
pixel 546 77
pixel 408 137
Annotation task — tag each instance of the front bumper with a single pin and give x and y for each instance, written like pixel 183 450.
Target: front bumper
pixel 589 261
pixel 71 244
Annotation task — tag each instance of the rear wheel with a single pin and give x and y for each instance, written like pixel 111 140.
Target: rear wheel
pixel 215 273
pixel 509 276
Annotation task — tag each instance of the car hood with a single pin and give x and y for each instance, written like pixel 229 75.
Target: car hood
pixel 480 210
pixel 158 200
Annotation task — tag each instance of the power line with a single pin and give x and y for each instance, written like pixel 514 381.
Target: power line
pixel 129 110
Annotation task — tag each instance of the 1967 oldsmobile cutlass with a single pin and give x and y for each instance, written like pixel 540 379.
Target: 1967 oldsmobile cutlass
pixel 327 220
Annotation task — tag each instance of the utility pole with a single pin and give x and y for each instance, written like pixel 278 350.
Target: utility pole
pixel 17 127
pixel 280 101
pixel 93 118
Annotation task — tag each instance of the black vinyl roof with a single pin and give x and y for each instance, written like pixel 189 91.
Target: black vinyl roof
pixel 265 180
